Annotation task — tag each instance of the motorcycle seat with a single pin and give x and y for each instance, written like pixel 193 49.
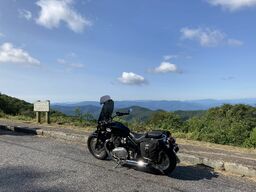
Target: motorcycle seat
pixel 138 137
pixel 155 134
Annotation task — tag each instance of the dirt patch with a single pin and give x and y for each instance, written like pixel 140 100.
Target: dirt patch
pixel 216 146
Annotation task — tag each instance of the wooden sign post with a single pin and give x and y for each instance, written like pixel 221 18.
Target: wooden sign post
pixel 42 106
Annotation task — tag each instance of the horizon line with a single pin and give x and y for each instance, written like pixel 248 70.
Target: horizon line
pixel 142 100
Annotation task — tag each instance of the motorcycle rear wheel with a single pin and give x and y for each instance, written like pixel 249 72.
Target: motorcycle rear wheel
pixel 167 162
pixel 97 151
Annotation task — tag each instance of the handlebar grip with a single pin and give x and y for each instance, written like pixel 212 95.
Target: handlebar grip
pixel 121 114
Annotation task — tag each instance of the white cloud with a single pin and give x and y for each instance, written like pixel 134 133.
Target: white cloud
pixel 70 64
pixel 165 67
pixel 233 5
pixel 234 42
pixel 208 37
pixel 131 78
pixel 10 54
pixel 25 14
pixel 168 57
pixel 53 12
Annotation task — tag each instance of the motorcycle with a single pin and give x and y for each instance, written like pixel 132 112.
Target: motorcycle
pixel 154 149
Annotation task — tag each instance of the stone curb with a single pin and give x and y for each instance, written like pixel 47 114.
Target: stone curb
pixel 231 167
pixel 240 169
pixel 19 129
pixel 54 134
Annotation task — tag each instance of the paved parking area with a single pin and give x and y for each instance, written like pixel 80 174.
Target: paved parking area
pixel 32 163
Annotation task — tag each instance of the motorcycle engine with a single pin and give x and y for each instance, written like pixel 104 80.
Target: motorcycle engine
pixel 116 141
pixel 120 153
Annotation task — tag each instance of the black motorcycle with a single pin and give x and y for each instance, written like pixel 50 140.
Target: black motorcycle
pixel 155 149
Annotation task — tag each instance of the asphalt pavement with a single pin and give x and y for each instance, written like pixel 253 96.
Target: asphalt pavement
pixel 32 163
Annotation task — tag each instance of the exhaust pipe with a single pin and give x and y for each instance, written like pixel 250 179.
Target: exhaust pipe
pixel 136 163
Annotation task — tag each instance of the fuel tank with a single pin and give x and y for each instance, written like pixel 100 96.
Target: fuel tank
pixel 119 129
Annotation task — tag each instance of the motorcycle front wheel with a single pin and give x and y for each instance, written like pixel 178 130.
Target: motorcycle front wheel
pixel 96 149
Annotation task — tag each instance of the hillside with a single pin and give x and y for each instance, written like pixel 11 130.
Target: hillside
pixel 16 109
pixel 13 106
pixel 70 110
pixel 185 115
pixel 138 113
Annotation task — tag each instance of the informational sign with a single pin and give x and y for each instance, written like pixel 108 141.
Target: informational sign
pixel 42 106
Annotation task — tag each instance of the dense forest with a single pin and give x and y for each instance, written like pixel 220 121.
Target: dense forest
pixel 13 106
pixel 228 124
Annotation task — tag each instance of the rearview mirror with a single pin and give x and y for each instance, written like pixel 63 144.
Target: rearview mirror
pixel 118 113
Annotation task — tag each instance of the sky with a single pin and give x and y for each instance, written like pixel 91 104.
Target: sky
pixel 76 50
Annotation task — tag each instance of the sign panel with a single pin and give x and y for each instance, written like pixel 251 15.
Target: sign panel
pixel 42 106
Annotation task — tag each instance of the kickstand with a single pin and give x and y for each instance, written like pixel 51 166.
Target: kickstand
pixel 118 163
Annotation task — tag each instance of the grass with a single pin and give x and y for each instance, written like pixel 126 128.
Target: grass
pixel 230 148
pixel 55 122
pixel 82 125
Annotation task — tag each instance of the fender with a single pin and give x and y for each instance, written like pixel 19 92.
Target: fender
pixel 95 133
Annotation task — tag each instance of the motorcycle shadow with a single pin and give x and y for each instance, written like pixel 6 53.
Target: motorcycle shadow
pixel 185 172
pixel 193 172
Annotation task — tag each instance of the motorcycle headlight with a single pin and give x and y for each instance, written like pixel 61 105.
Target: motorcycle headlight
pixel 171 140
pixel 176 148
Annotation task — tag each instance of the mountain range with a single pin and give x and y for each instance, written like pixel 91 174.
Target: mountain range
pixel 147 106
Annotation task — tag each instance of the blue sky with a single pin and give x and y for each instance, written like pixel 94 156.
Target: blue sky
pixel 67 50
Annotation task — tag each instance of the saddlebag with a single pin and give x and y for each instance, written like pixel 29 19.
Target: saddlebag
pixel 149 149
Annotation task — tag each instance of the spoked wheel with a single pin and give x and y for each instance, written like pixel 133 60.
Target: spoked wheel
pixel 167 162
pixel 96 149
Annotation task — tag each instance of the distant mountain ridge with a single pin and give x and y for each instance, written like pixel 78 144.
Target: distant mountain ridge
pixel 70 110
pixel 164 104
pixel 143 109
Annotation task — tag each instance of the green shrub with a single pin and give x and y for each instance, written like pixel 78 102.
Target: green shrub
pixel 251 141
pixel 228 124
pixel 165 121
pixel 224 125
pixel 24 118
pixel 2 114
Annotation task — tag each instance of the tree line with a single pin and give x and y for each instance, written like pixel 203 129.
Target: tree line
pixel 227 124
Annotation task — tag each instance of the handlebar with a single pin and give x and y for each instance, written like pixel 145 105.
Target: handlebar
pixel 121 113
pixel 118 114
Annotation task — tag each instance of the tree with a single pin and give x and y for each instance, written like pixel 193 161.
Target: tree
pixel 78 114
pixel 166 121
pixel 251 141
pixel 228 124
pixel 88 117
